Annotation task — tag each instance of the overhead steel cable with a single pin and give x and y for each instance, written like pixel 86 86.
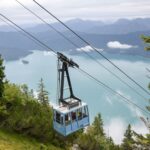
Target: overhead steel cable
pixel 76 46
pixel 21 32
pixel 29 34
pixel 112 90
pixel 119 78
pixel 101 83
pixel 49 25
pixel 86 42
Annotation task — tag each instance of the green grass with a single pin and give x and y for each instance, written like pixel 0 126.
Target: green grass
pixel 13 141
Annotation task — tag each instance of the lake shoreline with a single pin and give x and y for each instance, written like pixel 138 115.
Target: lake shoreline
pixel 30 52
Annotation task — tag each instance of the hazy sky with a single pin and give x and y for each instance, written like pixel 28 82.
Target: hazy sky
pixel 85 9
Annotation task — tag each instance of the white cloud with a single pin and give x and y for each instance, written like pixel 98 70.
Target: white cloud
pixel 46 53
pixel 117 127
pixel 12 3
pixel 35 93
pixel 87 49
pixel 135 111
pixel 118 45
pixel 66 9
pixel 140 128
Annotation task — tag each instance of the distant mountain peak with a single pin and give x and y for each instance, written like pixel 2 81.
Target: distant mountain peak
pixel 121 26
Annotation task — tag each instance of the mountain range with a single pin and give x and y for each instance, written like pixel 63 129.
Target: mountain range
pixel 14 45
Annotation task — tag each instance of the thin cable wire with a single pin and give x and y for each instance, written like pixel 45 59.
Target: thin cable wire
pixel 98 81
pixel 113 91
pixel 76 46
pixel 22 33
pixel 81 38
pixel 29 34
pixel 49 25
pixel 117 77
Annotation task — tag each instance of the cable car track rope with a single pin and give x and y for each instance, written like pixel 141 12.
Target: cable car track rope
pixel 21 32
pixel 29 34
pixel 86 42
pixel 86 73
pixel 77 46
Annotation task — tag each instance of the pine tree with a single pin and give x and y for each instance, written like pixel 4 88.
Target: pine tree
pixel 2 76
pixel 97 132
pixel 140 140
pixel 128 139
pixel 98 126
pixel 42 93
pixel 31 93
pixel 25 90
pixel 95 139
pixel 28 93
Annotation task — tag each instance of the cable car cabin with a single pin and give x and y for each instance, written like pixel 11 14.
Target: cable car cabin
pixel 67 121
pixel 71 114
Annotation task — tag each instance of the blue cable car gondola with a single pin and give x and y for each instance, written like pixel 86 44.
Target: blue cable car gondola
pixel 71 114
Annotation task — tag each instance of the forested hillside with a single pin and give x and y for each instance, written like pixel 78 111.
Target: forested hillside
pixel 26 123
pixel 13 141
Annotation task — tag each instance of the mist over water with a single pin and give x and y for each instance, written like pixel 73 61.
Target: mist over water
pixel 115 112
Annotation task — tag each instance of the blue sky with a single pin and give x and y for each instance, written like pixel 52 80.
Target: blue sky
pixel 84 9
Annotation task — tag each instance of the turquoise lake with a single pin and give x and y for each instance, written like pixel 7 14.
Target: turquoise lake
pixel 115 112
